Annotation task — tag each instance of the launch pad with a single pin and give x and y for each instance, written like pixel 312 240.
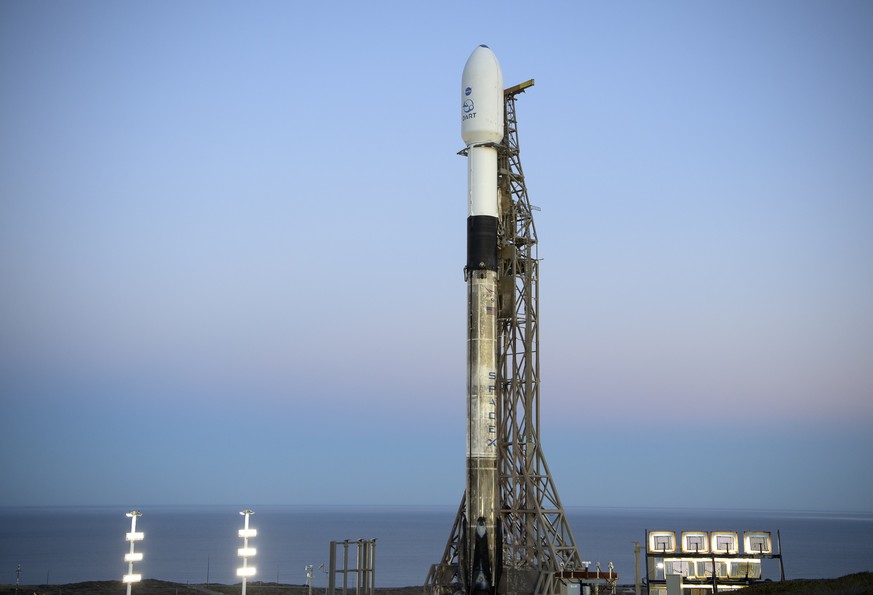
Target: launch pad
pixel 532 549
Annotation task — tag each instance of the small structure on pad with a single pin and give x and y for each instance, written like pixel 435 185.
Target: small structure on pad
pixel 358 564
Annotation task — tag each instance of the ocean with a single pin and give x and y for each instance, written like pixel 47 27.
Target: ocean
pixel 198 544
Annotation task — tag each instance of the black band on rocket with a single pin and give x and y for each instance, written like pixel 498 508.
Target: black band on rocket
pixel 481 243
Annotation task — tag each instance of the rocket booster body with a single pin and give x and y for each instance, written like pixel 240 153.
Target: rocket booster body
pixel 482 114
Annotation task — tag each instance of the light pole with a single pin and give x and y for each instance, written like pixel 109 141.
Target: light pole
pixel 132 556
pixel 246 552
pixel 309 577
pixel 636 567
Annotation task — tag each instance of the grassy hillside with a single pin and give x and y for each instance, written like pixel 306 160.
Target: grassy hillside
pixel 852 584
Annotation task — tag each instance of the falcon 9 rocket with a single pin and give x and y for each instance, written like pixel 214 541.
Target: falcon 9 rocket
pixel 482 116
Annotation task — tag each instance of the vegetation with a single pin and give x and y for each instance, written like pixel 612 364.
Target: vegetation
pixel 852 584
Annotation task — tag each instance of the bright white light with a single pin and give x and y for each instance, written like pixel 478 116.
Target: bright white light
pixel 137 536
pixel 248 532
pixel 695 542
pixel 724 542
pixel 662 541
pixel 133 557
pixel 131 578
pixel 758 542
pixel 247 571
pixel 247 552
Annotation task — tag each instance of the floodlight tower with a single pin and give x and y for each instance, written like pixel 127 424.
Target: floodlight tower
pixel 132 556
pixel 246 552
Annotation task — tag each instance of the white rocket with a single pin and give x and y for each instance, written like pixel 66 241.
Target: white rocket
pixel 482 108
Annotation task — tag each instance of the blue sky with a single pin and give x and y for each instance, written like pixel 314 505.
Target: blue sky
pixel 232 241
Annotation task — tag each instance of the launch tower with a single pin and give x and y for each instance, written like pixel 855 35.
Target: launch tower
pixel 536 553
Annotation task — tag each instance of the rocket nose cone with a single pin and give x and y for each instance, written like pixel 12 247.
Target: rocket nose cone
pixel 482 62
pixel 482 98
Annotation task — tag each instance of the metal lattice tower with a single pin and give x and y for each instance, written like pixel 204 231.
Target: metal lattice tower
pixel 536 535
pixel 538 549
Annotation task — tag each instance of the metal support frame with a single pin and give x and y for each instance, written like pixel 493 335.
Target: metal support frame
pixel 538 551
pixel 364 567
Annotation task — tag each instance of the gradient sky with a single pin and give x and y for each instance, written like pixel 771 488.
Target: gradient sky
pixel 232 241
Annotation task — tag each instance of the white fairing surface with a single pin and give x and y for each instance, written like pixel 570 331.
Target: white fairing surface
pixel 482 98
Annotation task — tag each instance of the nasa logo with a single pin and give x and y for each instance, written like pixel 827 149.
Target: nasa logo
pixel 468 106
pixel 467 91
